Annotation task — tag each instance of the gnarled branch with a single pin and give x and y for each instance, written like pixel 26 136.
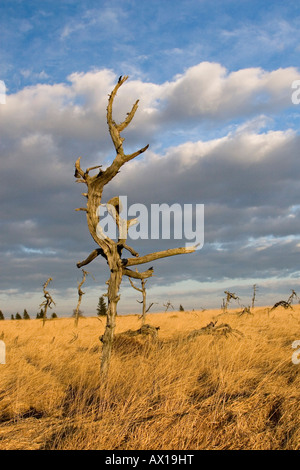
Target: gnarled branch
pixel 91 257
pixel 48 300
pixel 138 275
pixel 158 255
pixel 136 288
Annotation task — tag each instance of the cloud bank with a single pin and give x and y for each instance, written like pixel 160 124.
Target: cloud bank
pixel 247 177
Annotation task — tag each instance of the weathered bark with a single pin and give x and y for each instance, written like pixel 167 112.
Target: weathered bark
pixel 113 299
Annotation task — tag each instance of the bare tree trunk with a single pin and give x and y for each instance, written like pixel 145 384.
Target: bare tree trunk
pixel 45 314
pixel 48 300
pixel 77 313
pixel 144 301
pixel 80 294
pixel 254 295
pixel 113 299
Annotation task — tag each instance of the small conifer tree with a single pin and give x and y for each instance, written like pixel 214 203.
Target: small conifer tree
pixel 26 315
pixel 39 315
pixel 18 316
pixel 1 315
pixel 101 308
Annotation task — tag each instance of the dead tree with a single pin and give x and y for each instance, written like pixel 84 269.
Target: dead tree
pixel 47 302
pixel 286 303
pixel 292 296
pixel 109 249
pixel 229 296
pixel 168 305
pixel 143 292
pixel 254 294
pixel 80 294
pixel 223 329
pixel 281 303
pixel 143 302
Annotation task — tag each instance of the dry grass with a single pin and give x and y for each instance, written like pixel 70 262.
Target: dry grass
pixel 208 393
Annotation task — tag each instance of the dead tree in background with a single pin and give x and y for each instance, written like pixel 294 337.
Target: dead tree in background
pixel 286 303
pixel 292 296
pixel 143 292
pixel 229 296
pixel 254 294
pixel 143 302
pixel 47 302
pixel 168 305
pixel 80 294
pixel 112 250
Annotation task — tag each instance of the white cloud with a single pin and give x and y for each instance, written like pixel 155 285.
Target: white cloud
pixel 107 19
pixel 248 178
pixel 76 110
pixel 209 91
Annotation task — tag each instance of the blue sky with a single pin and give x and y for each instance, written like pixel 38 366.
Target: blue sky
pixel 214 82
pixel 46 41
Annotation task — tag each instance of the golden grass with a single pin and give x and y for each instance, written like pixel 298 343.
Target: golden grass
pixel 208 393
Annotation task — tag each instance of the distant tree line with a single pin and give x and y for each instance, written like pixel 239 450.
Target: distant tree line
pixel 25 316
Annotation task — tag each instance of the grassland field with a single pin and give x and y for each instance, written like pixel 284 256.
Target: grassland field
pixel 240 391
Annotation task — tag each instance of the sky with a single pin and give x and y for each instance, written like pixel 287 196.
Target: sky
pixel 214 83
